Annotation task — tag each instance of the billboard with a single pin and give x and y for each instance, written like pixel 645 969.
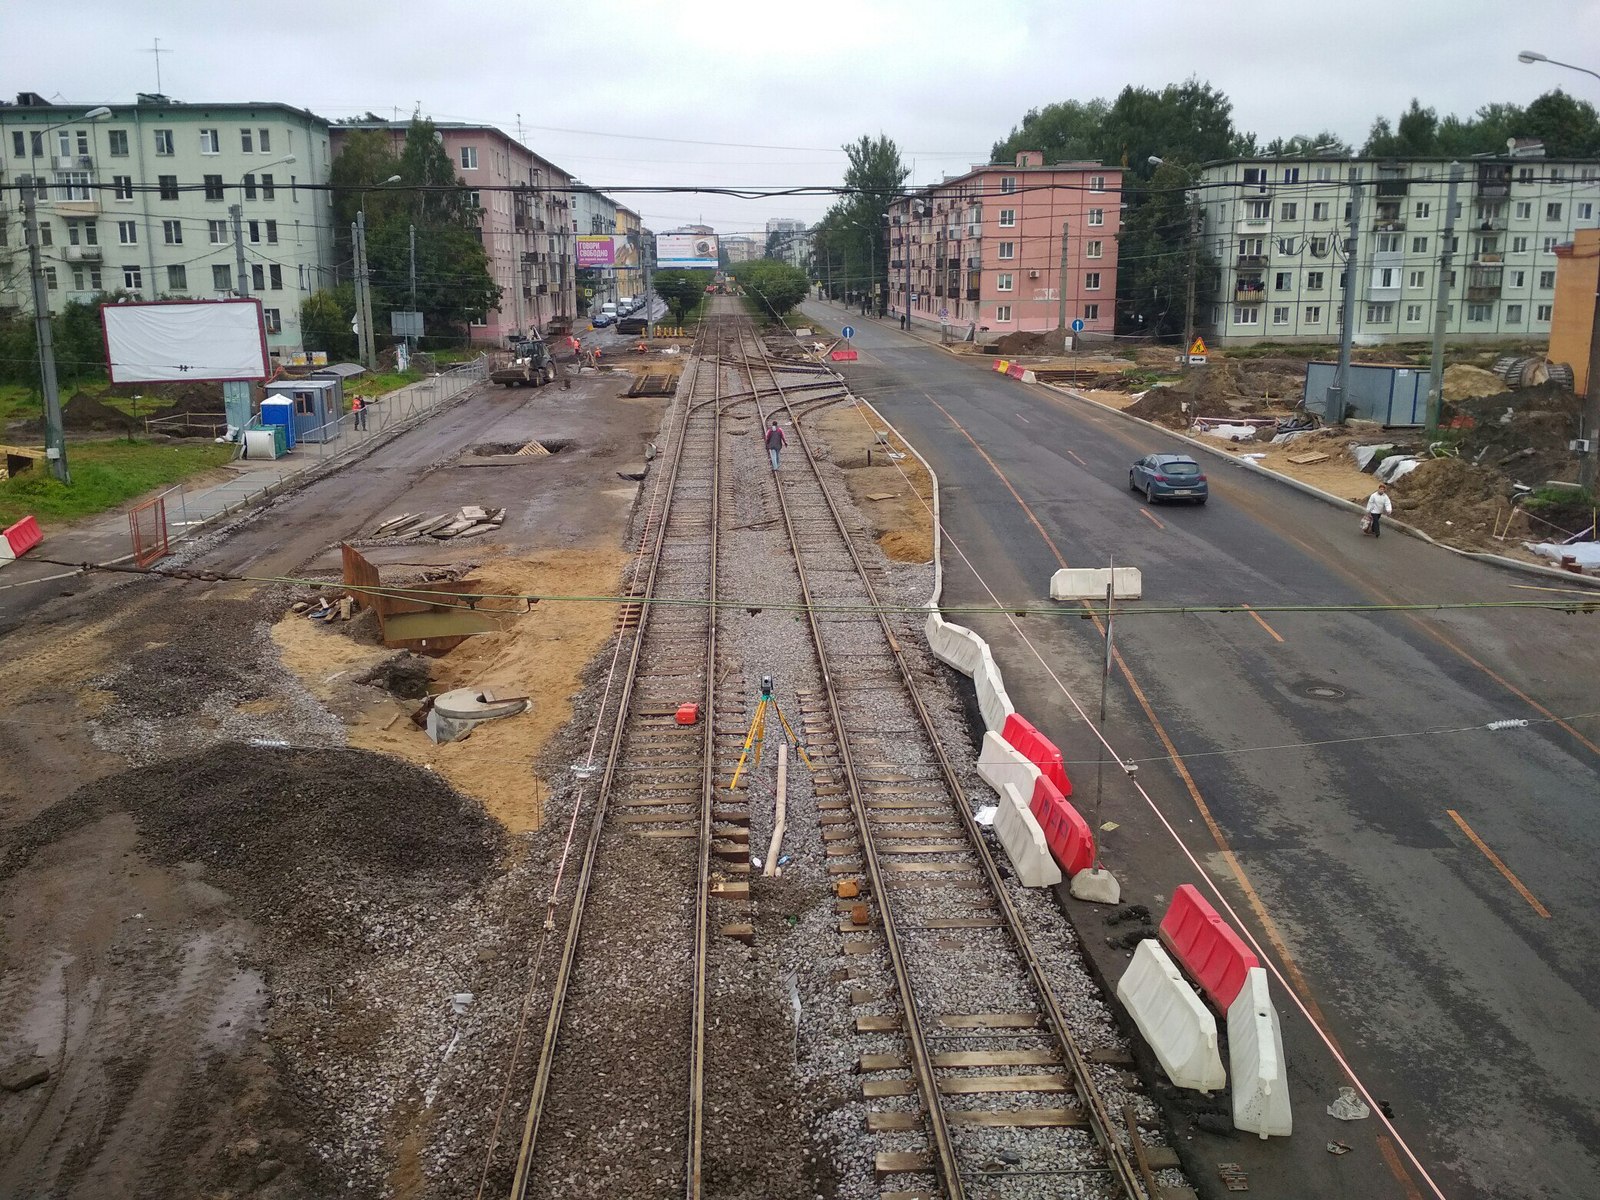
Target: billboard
pixel 694 251
pixel 596 250
pixel 163 341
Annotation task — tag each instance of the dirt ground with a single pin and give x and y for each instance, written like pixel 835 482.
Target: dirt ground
pixel 896 496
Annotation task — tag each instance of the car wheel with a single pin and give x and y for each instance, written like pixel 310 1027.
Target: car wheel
pixel 1150 494
pixel 1202 500
pixel 1132 486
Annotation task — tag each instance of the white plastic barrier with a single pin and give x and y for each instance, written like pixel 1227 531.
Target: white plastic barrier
pixel 993 702
pixel 1255 1060
pixel 1089 583
pixel 1172 1018
pixel 1019 832
pixel 1000 763
pixel 954 644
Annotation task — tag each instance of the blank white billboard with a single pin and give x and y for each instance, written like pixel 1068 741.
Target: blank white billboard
pixel 162 341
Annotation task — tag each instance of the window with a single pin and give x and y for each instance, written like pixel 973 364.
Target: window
pixel 1008 184
pixel 1008 218
pixel 1422 210
pixel 253 230
pixel 247 142
pixel 1524 174
pixel 268 190
pixel 1313 313
pixel 1003 281
pixel 1518 279
pixel 221 278
pixel 1452 244
pixel 1318 247
pixel 1557 175
pixel 1319 210
pixel 1283 281
pixel 1419 245
pixel 128 233
pixel 1380 314
pixel 1513 314
pixel 1552 211
pixel 1288 211
pixel 473 200
pixel 1255 176
pixel 50 280
pixel 274 320
pixel 1388 243
pixel 1586 212
pixel 1097 183
pixel 249 182
pixel 46 238
pixel 210 142
pixel 1246 314
pixel 1008 249
pixel 1291 174
pixel 133 278
pixel 1524 210
pixel 72 185
pixel 122 187
pixel 469 158
pixel 272 232
pixel 1280 314
pixel 117 139
pixel 169 186
pixel 1480 312
pixel 178 279
pixel 275 277
pixel 1416 279
pixel 258 276
pixel 1097 216
pixel 214 187
pixel 218 231
pixel 1314 281
pixel 1002 312
pixel 1413 313
pixel 1547 279
pixel 172 232
pixel 1091 281
pixel 83 233
pixel 1548 246
pixel 19 143
pixel 1258 210
pixel 1094 249
pixel 1385 277
pixel 1542 312
pixel 1091 312
pixel 1519 245
pixel 264 140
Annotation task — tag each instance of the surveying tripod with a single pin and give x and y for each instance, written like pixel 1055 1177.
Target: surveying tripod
pixel 758 729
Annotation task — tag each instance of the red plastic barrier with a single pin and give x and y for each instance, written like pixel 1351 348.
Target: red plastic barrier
pixel 1037 749
pixel 844 356
pixel 1015 370
pixel 1206 946
pixel 24 536
pixel 1068 835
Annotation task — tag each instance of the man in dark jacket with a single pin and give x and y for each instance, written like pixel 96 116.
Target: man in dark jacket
pixel 775 442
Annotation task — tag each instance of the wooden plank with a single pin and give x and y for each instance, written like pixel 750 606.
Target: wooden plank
pixel 997 1058
pixel 731 889
pixel 971 884
pixel 861 946
pixel 930 848
pixel 929 867
pixel 1301 460
pixel 901 1162
pixel 907 1196
pixel 939 806
pixel 991 1021
pixel 882 1023
pixel 657 818
pixel 962 923
pixel 881 1062
pixel 667 833
pixel 1020 1118
pixel 893 1122
pixel 652 801
pixel 969 1085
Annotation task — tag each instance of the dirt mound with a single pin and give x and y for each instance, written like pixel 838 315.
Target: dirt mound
pixel 83 412
pixel 1453 500
pixel 1029 343
pixel 1177 408
pixel 1523 433
pixel 1462 382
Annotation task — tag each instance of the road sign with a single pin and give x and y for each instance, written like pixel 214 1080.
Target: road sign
pixel 1077 325
pixel 944 314
pixel 1197 352
pixel 848 331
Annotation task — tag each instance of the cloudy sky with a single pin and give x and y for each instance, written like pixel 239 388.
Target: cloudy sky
pixel 741 93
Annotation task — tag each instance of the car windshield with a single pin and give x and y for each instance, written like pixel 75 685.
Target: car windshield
pixel 1179 468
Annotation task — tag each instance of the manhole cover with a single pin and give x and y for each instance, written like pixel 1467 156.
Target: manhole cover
pixel 1323 691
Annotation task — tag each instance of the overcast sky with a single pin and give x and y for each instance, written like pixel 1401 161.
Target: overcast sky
pixel 744 93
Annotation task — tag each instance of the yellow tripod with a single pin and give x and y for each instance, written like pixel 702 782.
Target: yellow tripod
pixel 758 730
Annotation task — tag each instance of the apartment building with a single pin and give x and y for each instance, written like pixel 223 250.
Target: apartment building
pixel 793 244
pixel 984 248
pixel 526 224
pixel 630 264
pixel 138 201
pixel 1277 227
pixel 594 214
pixel 1577 292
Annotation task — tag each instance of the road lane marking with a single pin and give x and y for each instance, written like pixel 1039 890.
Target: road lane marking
pixel 1025 421
pixel 1498 864
pixel 1077 460
pixel 1268 926
pixel 1397 1168
pixel 1275 634
pixel 1153 517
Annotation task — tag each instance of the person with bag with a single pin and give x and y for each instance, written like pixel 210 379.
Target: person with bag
pixel 1378 506
pixel 775 443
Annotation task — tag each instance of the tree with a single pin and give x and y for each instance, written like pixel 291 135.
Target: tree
pixel 1191 122
pixel 1153 271
pixel 874 178
pixel 1568 128
pixel 775 287
pixel 1416 136
pixel 681 289
pixel 1065 132
pixel 325 318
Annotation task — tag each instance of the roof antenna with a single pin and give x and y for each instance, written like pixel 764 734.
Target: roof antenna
pixel 158 52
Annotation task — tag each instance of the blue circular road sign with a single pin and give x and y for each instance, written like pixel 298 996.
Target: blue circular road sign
pixel 1077 325
pixel 849 332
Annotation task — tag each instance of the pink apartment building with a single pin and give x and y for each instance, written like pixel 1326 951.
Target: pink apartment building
pixel 526 224
pixel 984 248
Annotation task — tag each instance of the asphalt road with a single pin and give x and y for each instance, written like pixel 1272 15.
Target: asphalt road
pixel 1308 739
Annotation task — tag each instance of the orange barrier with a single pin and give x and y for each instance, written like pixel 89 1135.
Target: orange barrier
pixel 1037 749
pixel 1068 835
pixel 1015 370
pixel 1001 366
pixel 1206 946
pixel 844 356
pixel 23 536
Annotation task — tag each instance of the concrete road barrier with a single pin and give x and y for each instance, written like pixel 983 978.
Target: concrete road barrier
pixel 1213 954
pixel 1255 1060
pixel 1000 763
pixel 1173 1020
pixel 954 644
pixel 1089 583
pixel 1023 840
pixel 993 702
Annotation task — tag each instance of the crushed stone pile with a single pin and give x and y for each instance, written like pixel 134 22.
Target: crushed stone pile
pixel 1029 343
pixel 1463 381
pixel 1523 433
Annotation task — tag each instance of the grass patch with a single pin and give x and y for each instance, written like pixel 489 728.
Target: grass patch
pixel 104 475
pixel 378 385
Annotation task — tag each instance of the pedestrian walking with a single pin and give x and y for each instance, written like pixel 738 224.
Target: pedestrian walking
pixel 775 443
pixel 1378 506
pixel 358 406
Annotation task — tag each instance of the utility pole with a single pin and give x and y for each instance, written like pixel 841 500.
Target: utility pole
pixel 55 437
pixel 1441 302
pixel 1588 464
pixel 1194 258
pixel 1334 413
pixel 364 293
pixel 1061 296
pixel 411 341
pixel 236 211
pixel 360 322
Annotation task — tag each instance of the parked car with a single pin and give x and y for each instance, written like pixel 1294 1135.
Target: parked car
pixel 1169 477
pixel 600 319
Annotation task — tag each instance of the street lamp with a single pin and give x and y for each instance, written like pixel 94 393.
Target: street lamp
pixel 1533 56
pixel 55 437
pixel 236 211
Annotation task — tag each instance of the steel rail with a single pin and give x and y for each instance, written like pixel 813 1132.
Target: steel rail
pixel 1088 1091
pixel 559 987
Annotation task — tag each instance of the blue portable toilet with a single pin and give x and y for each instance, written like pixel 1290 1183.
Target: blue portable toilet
pixel 279 410
pixel 315 405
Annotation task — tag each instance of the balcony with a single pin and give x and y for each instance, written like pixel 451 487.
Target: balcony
pixel 974 231
pixel 1391 185
pixel 1251 262
pixel 938 289
pixel 974 264
pixel 1388 225
pixel 952 264
pixel 1493 180
pixel 1490 225
pixel 1256 294
pixel 972 293
pixel 1483 283
pixel 1490 256
pixel 83 254
pixel 88 207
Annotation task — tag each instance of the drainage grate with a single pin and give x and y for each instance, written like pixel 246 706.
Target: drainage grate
pixel 1324 691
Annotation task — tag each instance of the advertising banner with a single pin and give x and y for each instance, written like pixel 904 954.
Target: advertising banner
pixel 694 251
pixel 596 250
pixel 179 340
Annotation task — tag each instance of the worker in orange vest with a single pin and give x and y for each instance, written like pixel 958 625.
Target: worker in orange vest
pixel 358 407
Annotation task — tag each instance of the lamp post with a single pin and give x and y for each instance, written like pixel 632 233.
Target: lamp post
pixel 55 437
pixel 236 212
pixel 363 274
pixel 1533 56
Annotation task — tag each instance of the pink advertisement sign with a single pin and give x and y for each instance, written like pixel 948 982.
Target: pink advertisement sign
pixel 596 250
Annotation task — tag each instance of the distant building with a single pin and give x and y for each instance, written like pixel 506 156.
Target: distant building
pixel 1278 228
pixel 984 248
pixel 1572 318
pixel 742 249
pixel 526 224
pixel 630 271
pixel 140 203
pixel 792 243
